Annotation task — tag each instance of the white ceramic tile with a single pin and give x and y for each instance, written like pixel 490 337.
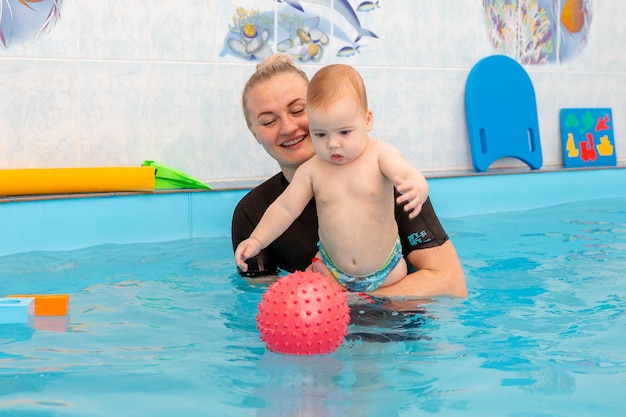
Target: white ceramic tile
pixel 40 114
pixel 450 143
pixel 484 47
pixel 457 25
pixel 408 33
pixel 182 114
pixel 115 113
pixel 114 29
pixel 613 96
pixel 374 80
pixel 181 30
pixel 236 154
pixel 549 102
pixel 606 37
pixel 573 89
pixel 405 115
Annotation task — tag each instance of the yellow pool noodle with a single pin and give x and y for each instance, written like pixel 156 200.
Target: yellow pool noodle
pixel 75 180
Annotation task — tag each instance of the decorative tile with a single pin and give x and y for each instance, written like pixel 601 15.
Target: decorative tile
pixel 358 30
pixel 245 30
pixel 48 28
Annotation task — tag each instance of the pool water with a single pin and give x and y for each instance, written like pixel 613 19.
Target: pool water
pixel 169 329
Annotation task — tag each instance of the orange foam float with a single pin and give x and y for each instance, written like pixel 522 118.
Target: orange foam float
pixel 47 304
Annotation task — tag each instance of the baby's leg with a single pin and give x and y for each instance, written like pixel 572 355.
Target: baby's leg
pixel 319 266
pixel 397 273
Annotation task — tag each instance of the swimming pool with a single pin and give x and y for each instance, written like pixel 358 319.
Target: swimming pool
pixel 168 329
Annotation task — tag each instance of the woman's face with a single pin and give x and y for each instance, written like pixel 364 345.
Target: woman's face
pixel 276 110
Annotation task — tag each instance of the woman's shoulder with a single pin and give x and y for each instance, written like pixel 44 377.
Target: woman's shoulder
pixel 263 194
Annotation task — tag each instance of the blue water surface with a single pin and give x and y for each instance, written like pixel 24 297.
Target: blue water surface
pixel 168 329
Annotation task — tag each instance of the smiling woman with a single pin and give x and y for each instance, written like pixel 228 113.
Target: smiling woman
pixel 24 21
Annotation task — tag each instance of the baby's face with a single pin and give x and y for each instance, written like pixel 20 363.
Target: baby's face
pixel 341 131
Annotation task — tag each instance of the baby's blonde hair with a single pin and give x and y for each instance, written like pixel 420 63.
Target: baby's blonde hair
pixel 332 82
pixel 276 64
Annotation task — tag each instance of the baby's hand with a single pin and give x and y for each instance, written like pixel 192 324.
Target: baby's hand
pixel 410 195
pixel 246 250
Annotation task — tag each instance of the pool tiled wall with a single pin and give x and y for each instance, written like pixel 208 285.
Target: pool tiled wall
pixel 112 82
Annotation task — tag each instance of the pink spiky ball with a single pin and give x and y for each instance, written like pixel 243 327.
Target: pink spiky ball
pixel 303 313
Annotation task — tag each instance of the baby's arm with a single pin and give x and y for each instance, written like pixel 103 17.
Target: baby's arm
pixel 277 218
pixel 408 180
pixel 412 193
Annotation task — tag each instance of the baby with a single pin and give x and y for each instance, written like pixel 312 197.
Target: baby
pixel 351 177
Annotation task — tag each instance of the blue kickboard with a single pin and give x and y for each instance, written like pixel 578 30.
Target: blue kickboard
pixel 501 113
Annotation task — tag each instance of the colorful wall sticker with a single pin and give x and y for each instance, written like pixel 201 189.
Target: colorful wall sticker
pixel 538 31
pixel 303 29
pixel 587 136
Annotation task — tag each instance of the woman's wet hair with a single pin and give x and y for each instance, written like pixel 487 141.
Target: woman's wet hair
pixel 276 64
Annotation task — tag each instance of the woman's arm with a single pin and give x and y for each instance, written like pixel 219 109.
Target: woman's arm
pixel 439 273
pixel 427 247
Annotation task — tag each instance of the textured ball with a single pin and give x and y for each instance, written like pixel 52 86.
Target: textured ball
pixel 304 313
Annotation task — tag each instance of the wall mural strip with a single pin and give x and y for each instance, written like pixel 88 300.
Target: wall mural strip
pixel 538 31
pixel 23 21
pixel 303 34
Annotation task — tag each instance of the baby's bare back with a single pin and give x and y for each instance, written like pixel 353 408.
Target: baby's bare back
pixel 355 206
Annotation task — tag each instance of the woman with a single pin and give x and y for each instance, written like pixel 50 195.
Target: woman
pixel 274 105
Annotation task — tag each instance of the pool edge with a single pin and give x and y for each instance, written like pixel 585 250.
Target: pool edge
pixel 88 220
